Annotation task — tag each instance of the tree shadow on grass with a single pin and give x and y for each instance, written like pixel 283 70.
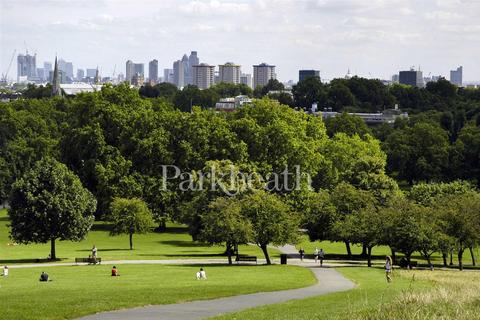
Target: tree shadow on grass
pixel 173 230
pixel 186 255
pixel 10 261
pixel 180 243
pixel 101 250
pixel 4 219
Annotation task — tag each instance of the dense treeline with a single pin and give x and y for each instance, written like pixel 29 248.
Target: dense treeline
pixel 118 139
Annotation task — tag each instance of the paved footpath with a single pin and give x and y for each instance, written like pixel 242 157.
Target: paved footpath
pixel 329 281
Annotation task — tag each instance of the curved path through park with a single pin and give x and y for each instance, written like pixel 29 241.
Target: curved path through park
pixel 329 281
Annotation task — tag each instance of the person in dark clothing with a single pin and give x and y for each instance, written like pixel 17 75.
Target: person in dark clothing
pixel 302 254
pixel 44 277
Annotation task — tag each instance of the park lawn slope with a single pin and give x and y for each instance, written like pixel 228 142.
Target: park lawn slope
pixel 372 292
pixel 175 243
pixel 81 290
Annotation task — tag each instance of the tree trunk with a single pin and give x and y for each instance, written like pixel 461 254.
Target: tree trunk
pixel 460 261
pixel 229 253
pixel 451 257
pixel 265 252
pixel 369 255
pixel 162 226
pixel 473 256
pixel 53 255
pixel 444 256
pixel 131 241
pixel 408 256
pixel 429 261
pixel 394 257
pixel 364 250
pixel 349 251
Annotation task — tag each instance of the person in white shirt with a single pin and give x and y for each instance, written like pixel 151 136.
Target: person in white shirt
pixel 201 275
pixel 5 271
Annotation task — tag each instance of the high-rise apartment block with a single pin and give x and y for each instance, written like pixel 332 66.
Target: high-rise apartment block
pixel 153 71
pixel 203 75
pixel 246 79
pixel 229 73
pixel 456 76
pixel 263 73
pixel 179 74
pixel 26 66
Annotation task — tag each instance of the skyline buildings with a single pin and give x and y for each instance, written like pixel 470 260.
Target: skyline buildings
pixel 456 76
pixel 229 72
pixel 303 74
pixel 262 73
pixel 153 71
pixel 411 77
pixel 26 66
pixel 203 75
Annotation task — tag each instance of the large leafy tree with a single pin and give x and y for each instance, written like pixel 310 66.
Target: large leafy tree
pixel 130 216
pixel 309 91
pixel 50 203
pixel 273 221
pixel 224 223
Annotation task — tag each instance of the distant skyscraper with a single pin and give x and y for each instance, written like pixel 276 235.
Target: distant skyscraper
pixel 229 73
pixel 246 79
pixel 91 73
pixel 304 74
pixel 456 76
pixel 193 60
pixel 395 78
pixel 139 68
pixel 153 71
pixel 80 74
pixel 179 74
pixel 47 67
pixel 412 78
pixel 41 74
pixel 263 73
pixel 168 76
pixel 203 75
pixel 26 66
pixel 129 72
pixel 69 70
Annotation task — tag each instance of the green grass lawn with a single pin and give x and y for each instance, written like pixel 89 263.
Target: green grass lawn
pixel 175 243
pixel 337 250
pixel 82 290
pixel 372 293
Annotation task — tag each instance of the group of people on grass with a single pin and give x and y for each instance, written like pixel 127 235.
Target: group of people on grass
pixel 319 255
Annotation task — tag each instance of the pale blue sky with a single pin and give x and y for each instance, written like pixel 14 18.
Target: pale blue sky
pixel 371 37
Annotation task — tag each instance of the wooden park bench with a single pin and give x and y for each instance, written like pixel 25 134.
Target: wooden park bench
pixel 88 260
pixel 239 259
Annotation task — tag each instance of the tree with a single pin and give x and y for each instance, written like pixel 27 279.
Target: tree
pixel 224 223
pixel 348 124
pixel 130 216
pixel 309 91
pixel 273 221
pixel 49 203
pixel 340 96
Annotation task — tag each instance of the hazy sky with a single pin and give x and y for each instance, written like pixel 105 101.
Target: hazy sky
pixel 371 37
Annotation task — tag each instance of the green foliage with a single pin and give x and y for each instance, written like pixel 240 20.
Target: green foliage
pixel 130 216
pixel 49 203
pixel 309 91
pixel 348 124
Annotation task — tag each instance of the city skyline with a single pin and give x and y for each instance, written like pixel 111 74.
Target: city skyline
pixel 373 40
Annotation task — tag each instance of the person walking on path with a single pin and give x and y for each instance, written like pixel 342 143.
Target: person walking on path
pixel 388 268
pixel 315 254
pixel 301 252
pixel 321 256
pixel 94 254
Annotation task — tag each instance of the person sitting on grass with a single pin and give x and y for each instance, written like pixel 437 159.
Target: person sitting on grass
pixel 115 272
pixel 44 277
pixel 5 271
pixel 201 275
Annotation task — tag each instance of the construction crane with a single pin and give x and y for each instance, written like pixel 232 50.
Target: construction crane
pixel 5 75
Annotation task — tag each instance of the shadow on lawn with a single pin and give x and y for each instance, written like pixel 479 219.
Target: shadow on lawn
pixel 101 249
pixel 10 261
pixel 4 219
pixel 180 243
pixel 202 255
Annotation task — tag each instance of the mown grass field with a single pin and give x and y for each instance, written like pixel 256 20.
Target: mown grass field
pixel 175 243
pixel 413 295
pixel 80 290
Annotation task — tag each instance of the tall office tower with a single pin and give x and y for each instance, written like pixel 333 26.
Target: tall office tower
pixel 69 70
pixel 80 74
pixel 304 74
pixel 153 71
pixel 62 65
pixel 412 77
pixel 129 71
pixel 41 74
pixel 203 75
pixel 193 60
pixel 263 73
pixel 179 74
pixel 47 66
pixel 456 76
pixel 139 68
pixel 229 73
pixel 168 76
pixel 26 66
pixel 91 73
pixel 187 75
pixel 246 79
